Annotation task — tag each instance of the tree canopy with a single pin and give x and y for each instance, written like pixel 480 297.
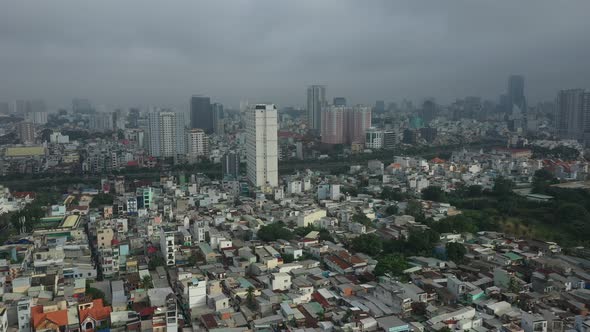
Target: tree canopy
pixel 274 232
pixel 392 264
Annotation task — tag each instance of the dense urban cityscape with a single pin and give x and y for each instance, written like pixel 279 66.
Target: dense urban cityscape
pixel 323 215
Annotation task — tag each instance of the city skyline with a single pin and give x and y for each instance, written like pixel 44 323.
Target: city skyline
pixel 416 50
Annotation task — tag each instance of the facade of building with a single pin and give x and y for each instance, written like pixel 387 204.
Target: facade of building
pixel 333 130
pixel 262 145
pixel 572 114
pixel 358 120
pixel 231 165
pixel 166 134
pixel 197 144
pixel 167 245
pixel 316 101
pixel 202 114
pixel 345 124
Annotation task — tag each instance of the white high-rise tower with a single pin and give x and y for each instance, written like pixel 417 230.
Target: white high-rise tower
pixel 261 145
pixel 167 135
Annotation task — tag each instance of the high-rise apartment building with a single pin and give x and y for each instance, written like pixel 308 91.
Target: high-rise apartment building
pixel 572 114
pixel 166 134
pixel 197 144
pixel 26 132
pixel 202 114
pixel 333 128
pixel 345 124
pixel 262 145
pixel 316 101
pixel 358 120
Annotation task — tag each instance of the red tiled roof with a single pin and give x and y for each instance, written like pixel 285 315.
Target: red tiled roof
pixel 24 194
pixel 320 299
pixel 59 317
pixel 98 311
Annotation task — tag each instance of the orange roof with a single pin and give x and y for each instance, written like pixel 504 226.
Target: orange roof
pixel 59 318
pixel 437 160
pixel 98 311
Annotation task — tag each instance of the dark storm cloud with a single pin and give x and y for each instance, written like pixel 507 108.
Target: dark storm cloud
pixel 148 52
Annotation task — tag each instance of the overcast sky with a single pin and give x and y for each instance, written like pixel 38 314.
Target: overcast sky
pixel 161 52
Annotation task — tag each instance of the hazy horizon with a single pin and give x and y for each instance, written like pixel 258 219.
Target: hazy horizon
pixel 154 53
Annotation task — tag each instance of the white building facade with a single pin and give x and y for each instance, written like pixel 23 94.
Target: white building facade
pixel 262 145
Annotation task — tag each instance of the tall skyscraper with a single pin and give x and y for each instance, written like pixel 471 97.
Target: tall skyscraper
pixel 316 100
pixel 197 144
pixel 516 93
pixel 572 114
pixel 261 145
pixel 26 132
pixel 218 116
pixel 166 134
pixel 202 114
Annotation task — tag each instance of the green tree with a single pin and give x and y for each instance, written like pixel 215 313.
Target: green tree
pixel 96 293
pixel 146 282
pixel 455 251
pixel 389 193
pixel 288 258
pixel 542 180
pixel 193 259
pixel 155 261
pixel 250 297
pixel 102 199
pixel 434 193
pixel 325 235
pixel 503 187
pixel 392 210
pixel 392 264
pixel 274 232
pixel 414 209
pixel 369 244
pixel 361 218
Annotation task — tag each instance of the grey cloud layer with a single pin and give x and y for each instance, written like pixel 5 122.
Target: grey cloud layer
pixel 150 52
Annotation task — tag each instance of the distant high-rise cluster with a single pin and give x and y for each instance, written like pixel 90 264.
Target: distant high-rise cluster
pixel 316 102
pixel 262 145
pixel 345 125
pixel 572 116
